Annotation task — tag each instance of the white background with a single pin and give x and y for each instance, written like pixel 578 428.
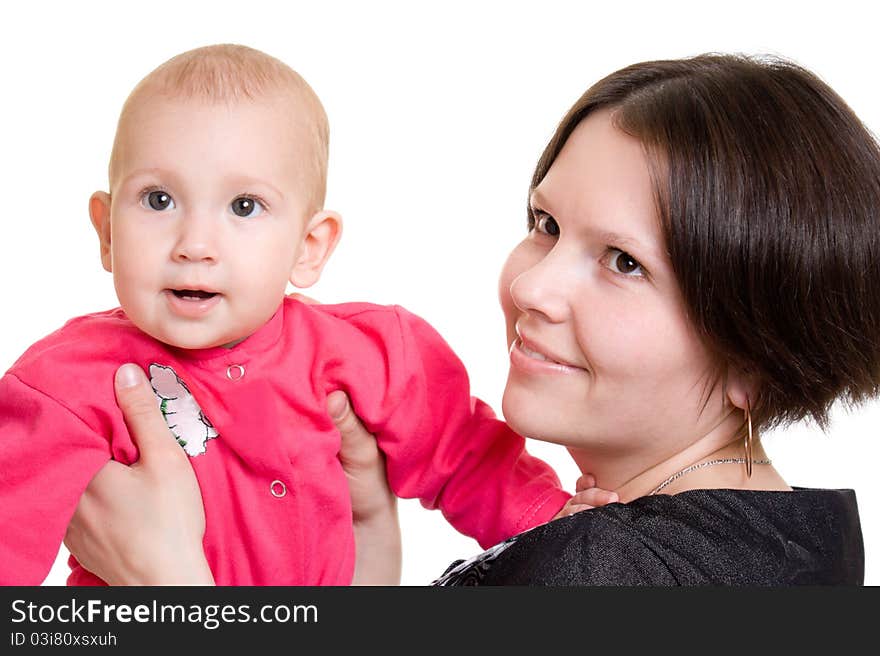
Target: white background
pixel 437 114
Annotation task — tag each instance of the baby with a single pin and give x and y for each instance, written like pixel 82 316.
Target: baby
pixel 217 180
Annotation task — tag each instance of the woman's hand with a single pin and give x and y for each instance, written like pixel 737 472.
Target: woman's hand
pixel 373 505
pixel 142 524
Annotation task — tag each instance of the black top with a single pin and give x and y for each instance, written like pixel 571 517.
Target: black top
pixel 698 537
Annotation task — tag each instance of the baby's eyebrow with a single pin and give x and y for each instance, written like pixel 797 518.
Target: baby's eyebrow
pixel 147 172
pixel 243 181
pixel 248 181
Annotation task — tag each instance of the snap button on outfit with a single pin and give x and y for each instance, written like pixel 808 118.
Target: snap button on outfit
pixel 235 372
pixel 278 489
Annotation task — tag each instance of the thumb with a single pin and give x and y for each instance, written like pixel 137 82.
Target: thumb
pixel 145 422
pixel 358 448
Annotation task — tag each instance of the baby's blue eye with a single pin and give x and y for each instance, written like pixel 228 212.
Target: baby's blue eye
pixel 246 207
pixel 157 200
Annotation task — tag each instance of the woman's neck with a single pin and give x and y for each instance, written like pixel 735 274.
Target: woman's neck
pixel 638 475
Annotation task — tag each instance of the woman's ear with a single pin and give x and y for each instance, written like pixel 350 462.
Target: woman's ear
pixel 322 233
pixel 99 212
pixel 741 389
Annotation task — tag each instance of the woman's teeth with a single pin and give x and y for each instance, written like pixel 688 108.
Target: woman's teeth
pixel 534 354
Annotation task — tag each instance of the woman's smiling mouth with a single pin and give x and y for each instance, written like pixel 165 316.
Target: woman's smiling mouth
pixel 524 355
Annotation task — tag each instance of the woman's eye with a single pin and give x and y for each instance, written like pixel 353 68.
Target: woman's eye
pixel 247 207
pixel 547 224
pixel 622 262
pixel 157 200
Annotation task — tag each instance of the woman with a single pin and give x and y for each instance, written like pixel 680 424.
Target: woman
pixel 701 264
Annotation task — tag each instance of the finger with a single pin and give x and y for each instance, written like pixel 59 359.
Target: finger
pixel 571 508
pixel 145 422
pixel 584 482
pixel 578 507
pixel 358 444
pixel 302 298
pixel 595 497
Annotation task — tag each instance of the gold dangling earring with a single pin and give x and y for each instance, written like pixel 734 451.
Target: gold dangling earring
pixel 748 439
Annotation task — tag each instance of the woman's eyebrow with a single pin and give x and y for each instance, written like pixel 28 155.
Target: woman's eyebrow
pixel 536 199
pixel 616 239
pixel 646 253
pixel 652 255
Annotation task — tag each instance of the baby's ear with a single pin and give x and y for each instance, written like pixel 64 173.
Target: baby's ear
pixel 322 233
pixel 99 211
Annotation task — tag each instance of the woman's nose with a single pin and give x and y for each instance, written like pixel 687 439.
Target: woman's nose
pixel 543 289
pixel 196 240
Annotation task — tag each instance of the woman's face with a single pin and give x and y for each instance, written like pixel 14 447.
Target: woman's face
pixel 601 353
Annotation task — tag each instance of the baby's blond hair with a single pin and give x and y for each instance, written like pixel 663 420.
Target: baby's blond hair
pixel 228 73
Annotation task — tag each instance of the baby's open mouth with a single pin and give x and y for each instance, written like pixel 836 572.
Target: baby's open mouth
pixel 193 294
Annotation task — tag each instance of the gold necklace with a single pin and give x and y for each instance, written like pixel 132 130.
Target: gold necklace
pixel 708 463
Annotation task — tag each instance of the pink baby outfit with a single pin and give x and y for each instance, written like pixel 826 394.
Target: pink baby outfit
pixel 276 500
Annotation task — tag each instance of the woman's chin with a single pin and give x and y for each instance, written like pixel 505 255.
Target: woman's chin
pixel 530 419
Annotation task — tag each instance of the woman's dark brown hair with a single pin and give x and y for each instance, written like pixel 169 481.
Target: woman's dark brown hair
pixel 768 193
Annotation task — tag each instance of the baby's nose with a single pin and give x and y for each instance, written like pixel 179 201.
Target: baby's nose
pixel 196 242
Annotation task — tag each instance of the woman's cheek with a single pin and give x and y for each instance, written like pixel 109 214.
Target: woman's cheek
pixel 518 261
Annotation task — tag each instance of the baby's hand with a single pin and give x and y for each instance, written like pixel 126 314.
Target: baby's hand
pixel 302 298
pixel 587 496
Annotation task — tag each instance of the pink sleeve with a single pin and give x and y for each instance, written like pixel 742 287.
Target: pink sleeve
pixel 47 458
pixel 447 448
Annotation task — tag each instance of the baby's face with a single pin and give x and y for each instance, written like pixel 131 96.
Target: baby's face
pixel 208 214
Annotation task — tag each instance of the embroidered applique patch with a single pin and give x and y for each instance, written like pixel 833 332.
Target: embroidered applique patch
pixel 184 417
